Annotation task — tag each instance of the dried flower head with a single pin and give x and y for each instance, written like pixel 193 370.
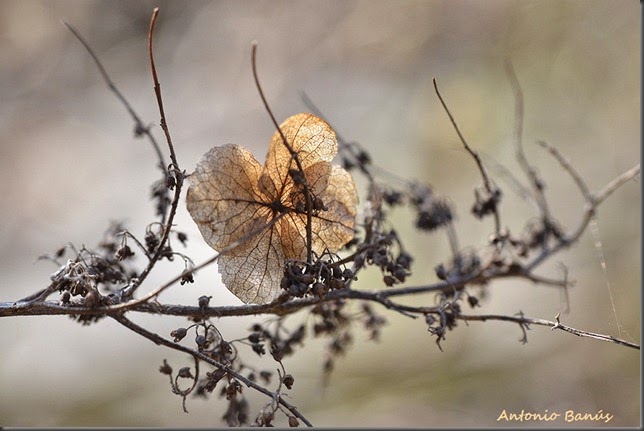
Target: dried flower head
pixel 256 217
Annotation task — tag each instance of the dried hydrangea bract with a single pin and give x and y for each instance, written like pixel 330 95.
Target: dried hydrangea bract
pixel 235 200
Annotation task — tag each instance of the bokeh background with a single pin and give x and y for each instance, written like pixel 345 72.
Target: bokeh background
pixel 69 164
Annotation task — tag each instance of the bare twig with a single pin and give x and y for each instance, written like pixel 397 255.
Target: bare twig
pixel 157 90
pixel 529 170
pixel 594 200
pixel 609 188
pixel 276 307
pixel 178 175
pixel 486 181
pixel 140 128
pixel 554 325
pixel 581 184
pixel 294 155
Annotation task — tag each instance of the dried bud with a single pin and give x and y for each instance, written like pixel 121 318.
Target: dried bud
pixel 392 197
pixel 404 259
pixel 441 272
pixel 178 334
pixel 204 301
pixel 66 297
pixel 266 376
pixel 347 274
pixel 182 237
pixel 259 349
pixel 187 277
pixel 400 274
pixel 170 181
pixel 293 422
pixel 151 241
pixel 165 368
pixel 364 158
pixel 277 352
pixel 185 373
pixel 319 289
pixel 123 252
pixel 255 337
pixel 288 381
pixel 232 388
pixel 201 341
pixel 389 280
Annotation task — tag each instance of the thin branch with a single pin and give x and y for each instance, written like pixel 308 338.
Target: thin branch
pixel 277 307
pixel 581 184
pixel 158 340
pixel 154 293
pixel 140 128
pixel 474 154
pixel 592 203
pixel 157 90
pixel 344 144
pixel 609 188
pixel 553 325
pixel 511 180
pixel 531 173
pixel 294 155
pixel 176 170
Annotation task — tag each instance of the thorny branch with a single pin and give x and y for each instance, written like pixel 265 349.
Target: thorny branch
pixel 505 256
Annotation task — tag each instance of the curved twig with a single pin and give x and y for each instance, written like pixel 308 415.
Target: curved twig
pixel 176 170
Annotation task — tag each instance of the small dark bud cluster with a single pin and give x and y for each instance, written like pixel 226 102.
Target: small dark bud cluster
pixel 486 203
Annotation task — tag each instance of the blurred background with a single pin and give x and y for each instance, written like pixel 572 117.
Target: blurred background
pixel 69 164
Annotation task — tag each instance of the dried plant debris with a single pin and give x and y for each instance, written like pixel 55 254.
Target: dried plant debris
pixel 256 216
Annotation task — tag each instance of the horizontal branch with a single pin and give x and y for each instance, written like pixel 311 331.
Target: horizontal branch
pixel 278 307
pixel 553 325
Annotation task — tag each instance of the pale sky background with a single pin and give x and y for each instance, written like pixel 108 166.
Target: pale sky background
pixel 69 164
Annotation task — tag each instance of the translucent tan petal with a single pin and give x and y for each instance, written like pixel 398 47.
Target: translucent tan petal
pixel 254 271
pixel 313 140
pixel 223 198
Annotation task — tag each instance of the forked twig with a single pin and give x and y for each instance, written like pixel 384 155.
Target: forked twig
pixel 592 202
